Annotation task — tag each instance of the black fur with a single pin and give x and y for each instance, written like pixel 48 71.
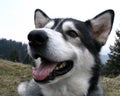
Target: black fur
pixel 86 35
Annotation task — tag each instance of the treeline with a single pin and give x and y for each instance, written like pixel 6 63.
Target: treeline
pixel 14 51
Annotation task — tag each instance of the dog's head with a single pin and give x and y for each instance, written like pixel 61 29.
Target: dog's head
pixel 62 46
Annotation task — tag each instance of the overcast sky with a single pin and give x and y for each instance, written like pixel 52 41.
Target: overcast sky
pixel 16 16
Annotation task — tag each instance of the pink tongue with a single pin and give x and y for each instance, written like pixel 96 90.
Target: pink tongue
pixel 43 71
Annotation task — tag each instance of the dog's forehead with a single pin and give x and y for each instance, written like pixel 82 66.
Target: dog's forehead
pixel 68 25
pixel 63 23
pixel 53 23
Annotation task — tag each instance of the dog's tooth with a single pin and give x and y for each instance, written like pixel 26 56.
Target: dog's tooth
pixel 63 64
pixel 56 68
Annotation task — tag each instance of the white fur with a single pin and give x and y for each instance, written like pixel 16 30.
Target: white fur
pixel 58 48
pixel 80 74
pixel 22 89
pixel 78 77
pixel 38 62
pixel 76 81
pixel 68 25
pixel 50 24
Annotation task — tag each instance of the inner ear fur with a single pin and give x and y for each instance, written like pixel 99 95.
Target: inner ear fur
pixel 101 26
pixel 40 18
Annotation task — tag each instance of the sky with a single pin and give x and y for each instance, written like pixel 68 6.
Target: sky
pixel 17 16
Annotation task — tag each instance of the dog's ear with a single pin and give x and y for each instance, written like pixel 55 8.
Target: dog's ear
pixel 101 26
pixel 40 18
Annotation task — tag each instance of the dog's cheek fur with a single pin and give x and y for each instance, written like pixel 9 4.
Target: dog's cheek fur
pixel 88 68
pixel 82 69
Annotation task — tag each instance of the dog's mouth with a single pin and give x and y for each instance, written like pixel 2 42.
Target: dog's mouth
pixel 49 70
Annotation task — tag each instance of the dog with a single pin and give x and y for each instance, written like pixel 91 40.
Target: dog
pixel 65 52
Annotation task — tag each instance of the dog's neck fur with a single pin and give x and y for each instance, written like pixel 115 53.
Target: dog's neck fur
pixel 68 87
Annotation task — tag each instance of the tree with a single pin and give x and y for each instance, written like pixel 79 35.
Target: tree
pixel 14 51
pixel 14 56
pixel 112 67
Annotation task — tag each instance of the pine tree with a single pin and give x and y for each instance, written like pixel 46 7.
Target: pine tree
pixel 112 67
pixel 14 56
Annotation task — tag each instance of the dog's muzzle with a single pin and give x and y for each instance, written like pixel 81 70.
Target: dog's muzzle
pixel 48 69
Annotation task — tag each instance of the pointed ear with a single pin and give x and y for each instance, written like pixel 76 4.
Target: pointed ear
pixel 101 26
pixel 40 18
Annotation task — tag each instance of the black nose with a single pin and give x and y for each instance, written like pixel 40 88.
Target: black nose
pixel 37 37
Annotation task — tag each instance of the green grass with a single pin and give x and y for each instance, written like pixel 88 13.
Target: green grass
pixel 11 74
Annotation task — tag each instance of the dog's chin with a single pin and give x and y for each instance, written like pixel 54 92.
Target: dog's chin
pixel 49 71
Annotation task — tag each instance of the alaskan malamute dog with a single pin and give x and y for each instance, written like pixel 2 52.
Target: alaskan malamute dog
pixel 66 55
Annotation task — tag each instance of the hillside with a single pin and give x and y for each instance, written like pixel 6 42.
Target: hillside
pixel 11 74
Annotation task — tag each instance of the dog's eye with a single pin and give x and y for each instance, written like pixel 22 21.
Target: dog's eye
pixel 72 33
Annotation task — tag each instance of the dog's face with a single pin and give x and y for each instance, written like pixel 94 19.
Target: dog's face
pixel 65 47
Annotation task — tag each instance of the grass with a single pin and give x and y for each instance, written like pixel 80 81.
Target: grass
pixel 11 74
pixel 111 86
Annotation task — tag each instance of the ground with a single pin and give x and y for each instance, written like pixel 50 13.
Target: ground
pixel 11 74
